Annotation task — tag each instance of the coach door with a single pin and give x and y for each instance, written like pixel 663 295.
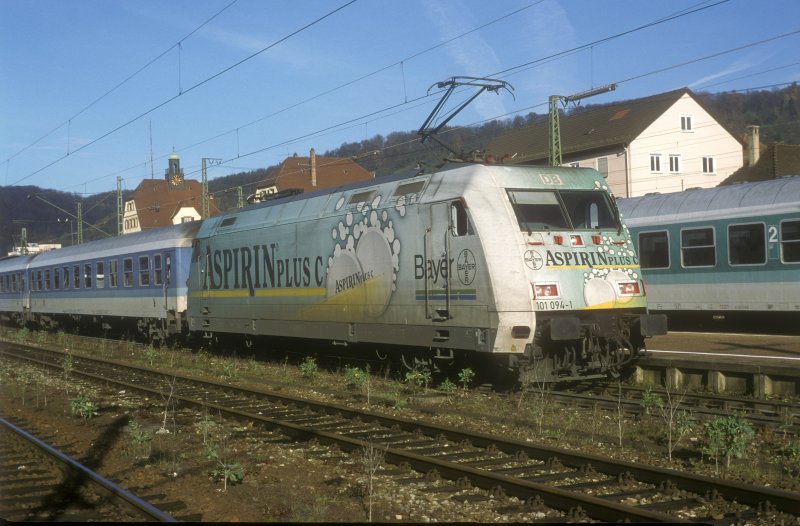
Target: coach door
pixel 163 275
pixel 437 263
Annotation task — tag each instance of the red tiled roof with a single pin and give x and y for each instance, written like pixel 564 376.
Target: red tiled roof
pixel 295 172
pixel 157 203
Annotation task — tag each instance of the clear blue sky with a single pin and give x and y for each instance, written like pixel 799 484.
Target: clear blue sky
pixel 77 104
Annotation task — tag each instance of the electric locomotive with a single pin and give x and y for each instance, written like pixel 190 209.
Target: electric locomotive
pixel 527 268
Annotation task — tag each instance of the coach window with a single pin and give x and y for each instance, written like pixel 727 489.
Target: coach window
pixel 127 272
pixel 790 241
pixel 56 279
pixel 100 276
pixel 76 277
pixel 654 249
pixel 144 271
pixel 47 279
pixel 459 219
pixel 697 247
pixel 87 275
pixel 747 244
pixel 112 273
pixel 39 280
pixel 65 271
pixel 157 269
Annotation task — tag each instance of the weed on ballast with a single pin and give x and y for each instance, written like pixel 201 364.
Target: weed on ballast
pixel 83 407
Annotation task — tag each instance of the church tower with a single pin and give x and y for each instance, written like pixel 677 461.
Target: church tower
pixel 174 174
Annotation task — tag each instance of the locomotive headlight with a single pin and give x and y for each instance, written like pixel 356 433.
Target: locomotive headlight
pixel 544 290
pixel 576 240
pixel 629 288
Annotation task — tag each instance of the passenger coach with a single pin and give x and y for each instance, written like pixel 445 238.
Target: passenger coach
pixel 725 253
pixel 133 284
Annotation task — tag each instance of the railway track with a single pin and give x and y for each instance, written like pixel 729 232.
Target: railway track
pixel 571 484
pixel 40 483
pixel 762 414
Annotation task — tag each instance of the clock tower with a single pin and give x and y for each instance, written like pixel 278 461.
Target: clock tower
pixel 174 174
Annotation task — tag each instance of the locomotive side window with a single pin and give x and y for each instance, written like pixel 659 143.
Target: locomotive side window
pixel 537 210
pixel 459 219
pixel 747 244
pixel 100 276
pixel 87 275
pixel 790 241
pixel 112 273
pixel 144 271
pixel 698 248
pixel 654 249
pixel 361 197
pixel 127 272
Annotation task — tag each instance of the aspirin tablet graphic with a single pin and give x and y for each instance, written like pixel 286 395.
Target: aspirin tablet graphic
pixel 375 256
pixel 598 291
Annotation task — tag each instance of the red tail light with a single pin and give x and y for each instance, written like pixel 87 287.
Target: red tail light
pixel 629 288
pixel 544 290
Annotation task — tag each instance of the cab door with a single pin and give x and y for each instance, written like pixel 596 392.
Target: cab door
pixel 437 261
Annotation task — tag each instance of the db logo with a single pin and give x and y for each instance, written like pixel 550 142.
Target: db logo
pixel 533 260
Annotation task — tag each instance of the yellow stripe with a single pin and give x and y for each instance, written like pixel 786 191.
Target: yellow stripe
pixel 261 293
pixel 587 266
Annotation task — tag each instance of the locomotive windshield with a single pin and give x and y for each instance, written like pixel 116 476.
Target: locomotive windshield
pixel 562 210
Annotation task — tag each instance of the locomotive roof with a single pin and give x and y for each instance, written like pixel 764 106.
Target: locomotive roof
pixel 772 196
pixel 153 239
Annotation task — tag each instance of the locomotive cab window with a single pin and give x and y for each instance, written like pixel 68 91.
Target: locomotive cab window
pixel 747 244
pixel 537 210
pixel 562 210
pixel 698 248
pixel 790 241
pixel 654 249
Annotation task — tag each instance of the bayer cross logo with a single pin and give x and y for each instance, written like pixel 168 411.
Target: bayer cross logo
pixel 533 259
pixel 466 267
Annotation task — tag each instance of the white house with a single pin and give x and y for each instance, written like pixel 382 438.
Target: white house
pixel 663 143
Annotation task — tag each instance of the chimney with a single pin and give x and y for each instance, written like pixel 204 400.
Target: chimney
pixel 753 145
pixel 313 160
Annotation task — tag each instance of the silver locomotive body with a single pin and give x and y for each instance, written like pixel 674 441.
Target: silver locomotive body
pixel 515 265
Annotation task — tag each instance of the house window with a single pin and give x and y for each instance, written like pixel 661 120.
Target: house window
pixel 674 163
pixel 686 123
pixel 602 166
pixel 708 165
pixel 697 247
pixel 655 162
pixel 654 249
pixel 747 244
pixel 790 241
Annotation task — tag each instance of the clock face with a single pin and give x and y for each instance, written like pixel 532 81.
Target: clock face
pixel 176 180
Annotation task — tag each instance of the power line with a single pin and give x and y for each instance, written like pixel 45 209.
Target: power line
pixel 191 88
pixel 120 84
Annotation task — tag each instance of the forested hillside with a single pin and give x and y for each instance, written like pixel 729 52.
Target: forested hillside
pixel 775 111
